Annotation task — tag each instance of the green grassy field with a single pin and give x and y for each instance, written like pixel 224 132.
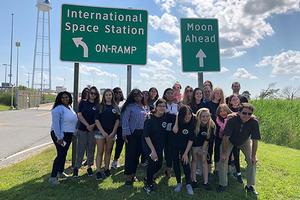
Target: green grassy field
pixel 278 175
pixel 3 107
pixel 279 121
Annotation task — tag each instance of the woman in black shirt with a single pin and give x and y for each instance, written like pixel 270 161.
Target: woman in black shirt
pixel 107 122
pixel 197 100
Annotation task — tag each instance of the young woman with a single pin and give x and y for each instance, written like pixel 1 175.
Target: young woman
pixel 153 96
pixel 172 107
pixel 107 123
pixel 197 100
pixel 222 117
pixel 145 148
pixel 217 98
pixel 119 97
pixel 87 111
pixel 206 94
pixel 63 126
pixel 204 131
pixel 133 117
pixel 181 144
pixel 155 129
pixel 234 105
pixel 187 95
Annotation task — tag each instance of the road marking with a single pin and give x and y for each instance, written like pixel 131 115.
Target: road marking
pixel 24 151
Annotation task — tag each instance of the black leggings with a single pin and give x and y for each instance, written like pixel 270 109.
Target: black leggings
pixel 168 150
pixel 177 154
pixel 119 144
pixel 236 155
pixel 218 142
pixel 133 150
pixel 210 150
pixel 154 166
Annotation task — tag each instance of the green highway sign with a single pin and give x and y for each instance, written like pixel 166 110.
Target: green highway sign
pixel 200 45
pixel 103 35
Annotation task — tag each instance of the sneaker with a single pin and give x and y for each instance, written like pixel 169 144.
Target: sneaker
pixel 135 179
pixel 178 187
pixel 251 189
pixel 99 176
pixel 63 175
pixel 114 164
pixel 240 179
pixel 75 172
pixel 221 188
pixel 207 187
pixel 107 173
pixel 53 181
pixel 195 184
pixel 90 171
pixel 148 188
pixel 189 189
pixel 84 163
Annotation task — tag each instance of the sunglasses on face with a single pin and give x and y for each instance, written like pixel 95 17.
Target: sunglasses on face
pixel 246 113
pixel 93 93
pixel 118 92
pixel 189 91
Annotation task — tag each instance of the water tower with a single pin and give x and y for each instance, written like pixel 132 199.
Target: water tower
pixel 41 74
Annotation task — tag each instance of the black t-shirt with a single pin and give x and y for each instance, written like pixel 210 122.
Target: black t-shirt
pixel 185 133
pixel 88 111
pixel 157 129
pixel 196 107
pixel 240 132
pixel 201 137
pixel 108 117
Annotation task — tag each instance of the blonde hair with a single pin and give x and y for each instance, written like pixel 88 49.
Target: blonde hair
pixel 210 125
pixel 225 107
pixel 222 100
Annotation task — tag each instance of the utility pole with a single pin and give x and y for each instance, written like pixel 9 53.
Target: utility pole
pixel 11 47
pixel 18 44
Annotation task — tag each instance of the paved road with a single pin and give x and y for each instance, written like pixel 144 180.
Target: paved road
pixel 23 129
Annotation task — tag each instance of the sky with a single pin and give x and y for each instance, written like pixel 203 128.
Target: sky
pixel 259 44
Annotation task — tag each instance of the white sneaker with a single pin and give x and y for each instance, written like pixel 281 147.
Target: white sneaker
pixel 53 181
pixel 178 187
pixel 189 189
pixel 114 164
pixel 63 175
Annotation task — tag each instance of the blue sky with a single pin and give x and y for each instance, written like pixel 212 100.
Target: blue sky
pixel 259 44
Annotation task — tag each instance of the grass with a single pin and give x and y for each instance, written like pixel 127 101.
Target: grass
pixel 4 107
pixel 278 175
pixel 279 121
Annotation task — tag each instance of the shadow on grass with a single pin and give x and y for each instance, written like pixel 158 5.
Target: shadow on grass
pixel 85 187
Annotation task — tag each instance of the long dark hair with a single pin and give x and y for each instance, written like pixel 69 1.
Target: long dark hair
pixel 115 91
pixel 130 98
pixel 166 90
pixel 184 109
pixel 193 100
pixel 97 99
pixel 156 97
pixel 84 93
pixel 58 99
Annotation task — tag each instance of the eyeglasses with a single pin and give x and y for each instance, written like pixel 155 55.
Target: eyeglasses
pixel 189 90
pixel 118 92
pixel 246 113
pixel 93 93
pixel 161 106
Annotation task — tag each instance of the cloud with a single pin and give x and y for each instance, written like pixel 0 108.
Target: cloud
pixel 166 5
pixel 242 24
pixel 167 23
pixel 164 49
pixel 84 69
pixel 295 78
pixel 224 69
pixel 59 78
pixel 242 73
pixel 287 63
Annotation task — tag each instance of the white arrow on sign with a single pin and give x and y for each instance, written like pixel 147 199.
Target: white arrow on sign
pixel 78 41
pixel 201 55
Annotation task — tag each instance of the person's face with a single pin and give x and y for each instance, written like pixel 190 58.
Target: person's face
pixel 86 94
pixel 207 92
pixel 198 95
pixel 206 83
pixel 137 96
pixel 108 96
pixel 146 95
pixel 170 95
pixel 235 101
pixel 236 88
pixel 161 108
pixel 217 94
pixel 223 113
pixel 189 92
pixel 118 94
pixel 245 114
pixel 188 117
pixel 93 94
pixel 204 118
pixel 65 99
pixel 153 93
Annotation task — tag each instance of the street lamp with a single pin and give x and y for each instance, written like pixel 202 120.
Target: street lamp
pixel 18 44
pixel 5 65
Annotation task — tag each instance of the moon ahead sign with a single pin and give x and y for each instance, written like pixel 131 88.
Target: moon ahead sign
pixel 103 35
pixel 200 45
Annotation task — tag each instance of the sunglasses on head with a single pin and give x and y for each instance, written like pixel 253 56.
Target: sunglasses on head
pixel 247 113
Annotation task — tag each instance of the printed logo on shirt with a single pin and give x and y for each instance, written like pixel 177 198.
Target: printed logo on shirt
pixel 164 124
pixel 185 131
pixel 114 111
pixel 94 108
pixel 203 133
pixel 169 127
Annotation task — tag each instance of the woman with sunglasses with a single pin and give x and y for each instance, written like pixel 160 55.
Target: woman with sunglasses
pixel 119 97
pixel 153 96
pixel 87 111
pixel 187 96
pixel 133 116
pixel 63 126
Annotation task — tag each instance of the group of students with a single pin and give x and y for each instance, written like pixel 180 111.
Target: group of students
pixel 191 130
